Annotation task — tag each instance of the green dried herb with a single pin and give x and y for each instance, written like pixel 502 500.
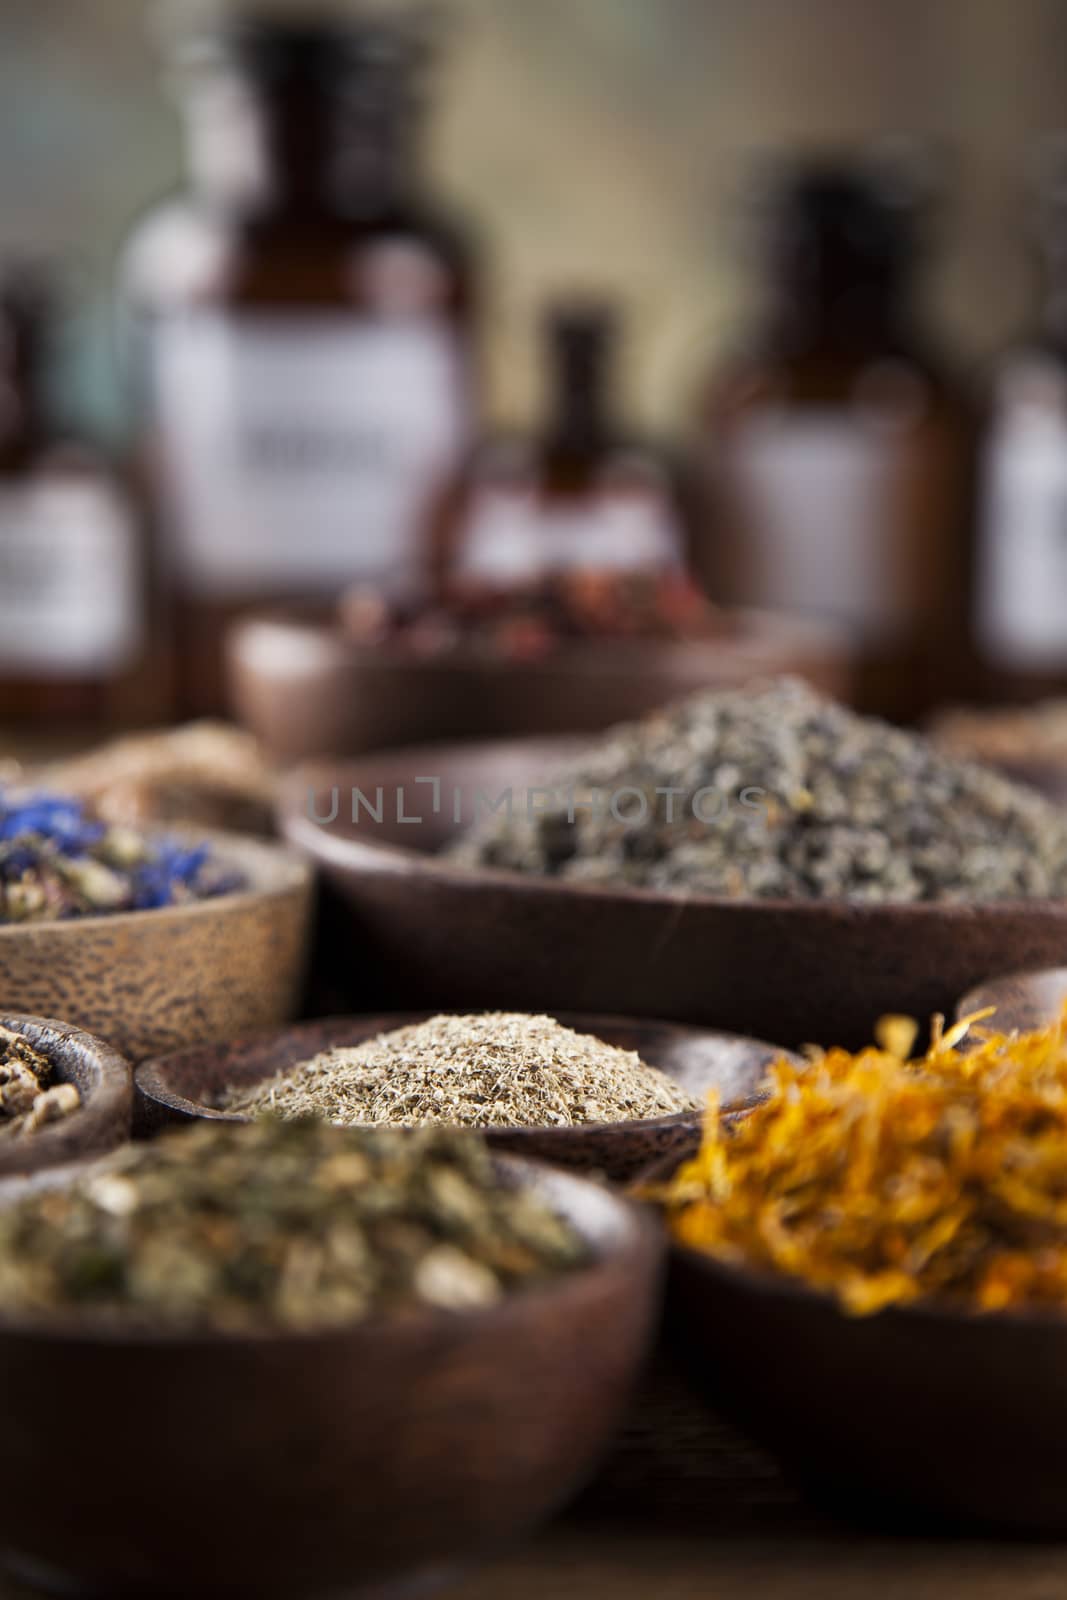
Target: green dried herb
pixel 273 1225
pixel 28 1099
pixel 498 1069
pixel 774 792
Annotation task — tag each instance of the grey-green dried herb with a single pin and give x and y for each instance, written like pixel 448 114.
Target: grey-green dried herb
pixel 28 1098
pixel 494 1070
pixel 279 1225
pixel 774 792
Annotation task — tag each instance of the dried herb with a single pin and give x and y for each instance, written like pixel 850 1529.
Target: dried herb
pixel 886 1181
pixel 28 1098
pixel 495 1070
pixel 58 861
pixel 531 621
pixel 279 1225
pixel 776 792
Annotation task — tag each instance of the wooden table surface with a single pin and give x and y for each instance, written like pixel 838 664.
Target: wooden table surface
pixel 687 1509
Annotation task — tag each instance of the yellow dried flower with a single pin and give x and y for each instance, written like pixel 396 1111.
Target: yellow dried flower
pixel 884 1180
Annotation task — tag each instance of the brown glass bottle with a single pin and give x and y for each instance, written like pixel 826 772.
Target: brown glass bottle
pixel 73 595
pixel 1021 589
pixel 583 493
pixel 302 323
pixel 837 449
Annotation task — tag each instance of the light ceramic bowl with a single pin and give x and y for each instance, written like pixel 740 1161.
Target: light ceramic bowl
pixel 416 930
pixel 153 981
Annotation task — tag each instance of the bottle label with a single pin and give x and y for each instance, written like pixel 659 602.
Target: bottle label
pixel 70 581
pixel 812 500
pixel 512 537
pixel 302 453
pixel 1022 574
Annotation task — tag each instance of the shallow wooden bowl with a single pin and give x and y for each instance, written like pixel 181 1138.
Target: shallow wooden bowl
pixel 916 1416
pixel 1023 1000
pixel 278 1468
pixel 306 689
pixel 150 981
pixel 418 930
pixel 191 1084
pixel 102 1077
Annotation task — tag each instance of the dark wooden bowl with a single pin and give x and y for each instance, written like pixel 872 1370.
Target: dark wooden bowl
pixel 422 931
pixel 103 1079
pixel 151 981
pixel 1023 1000
pixel 916 1416
pixel 190 1085
pixel 276 1468
pixel 306 689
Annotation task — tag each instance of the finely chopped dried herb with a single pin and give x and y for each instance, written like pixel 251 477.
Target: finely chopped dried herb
pixel 774 792
pixel 28 1098
pixel 495 1070
pixel 887 1181
pixel 59 861
pixel 274 1225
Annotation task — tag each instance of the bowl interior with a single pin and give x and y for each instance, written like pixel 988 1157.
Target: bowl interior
pixel 193 1082
pixel 799 971
pixel 103 1079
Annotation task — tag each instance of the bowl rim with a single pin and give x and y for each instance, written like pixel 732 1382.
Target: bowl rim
pixel 766 1284
pixel 346 855
pixel 759 634
pixel 107 1109
pixel 641 1246
pixel 277 870
pixel 148 1074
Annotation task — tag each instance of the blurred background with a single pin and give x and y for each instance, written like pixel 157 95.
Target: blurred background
pixel 594 140
pixel 375 373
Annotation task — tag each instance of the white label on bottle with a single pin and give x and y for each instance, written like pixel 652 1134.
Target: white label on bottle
pixel 513 537
pixel 1022 579
pixel 301 453
pixel 70 581
pixel 814 494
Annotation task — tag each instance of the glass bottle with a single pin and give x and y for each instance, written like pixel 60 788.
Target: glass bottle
pixel 584 493
pixel 301 322
pixel 73 596
pixel 836 447
pixel 1021 592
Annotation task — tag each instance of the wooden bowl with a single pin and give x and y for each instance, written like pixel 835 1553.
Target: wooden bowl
pixel 306 689
pixel 190 1085
pixel 435 935
pixel 282 1467
pixel 1023 1000
pixel 152 981
pixel 103 1079
pixel 916 1415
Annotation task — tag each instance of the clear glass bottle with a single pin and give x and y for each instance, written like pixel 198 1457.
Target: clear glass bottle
pixel 837 447
pixel 584 493
pixel 1021 592
pixel 302 326
pixel 73 571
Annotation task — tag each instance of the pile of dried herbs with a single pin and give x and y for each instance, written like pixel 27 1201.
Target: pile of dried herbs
pixel 29 1100
pixel 774 792
pixel 494 1070
pixel 59 861
pixel 279 1225
pixel 885 1181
